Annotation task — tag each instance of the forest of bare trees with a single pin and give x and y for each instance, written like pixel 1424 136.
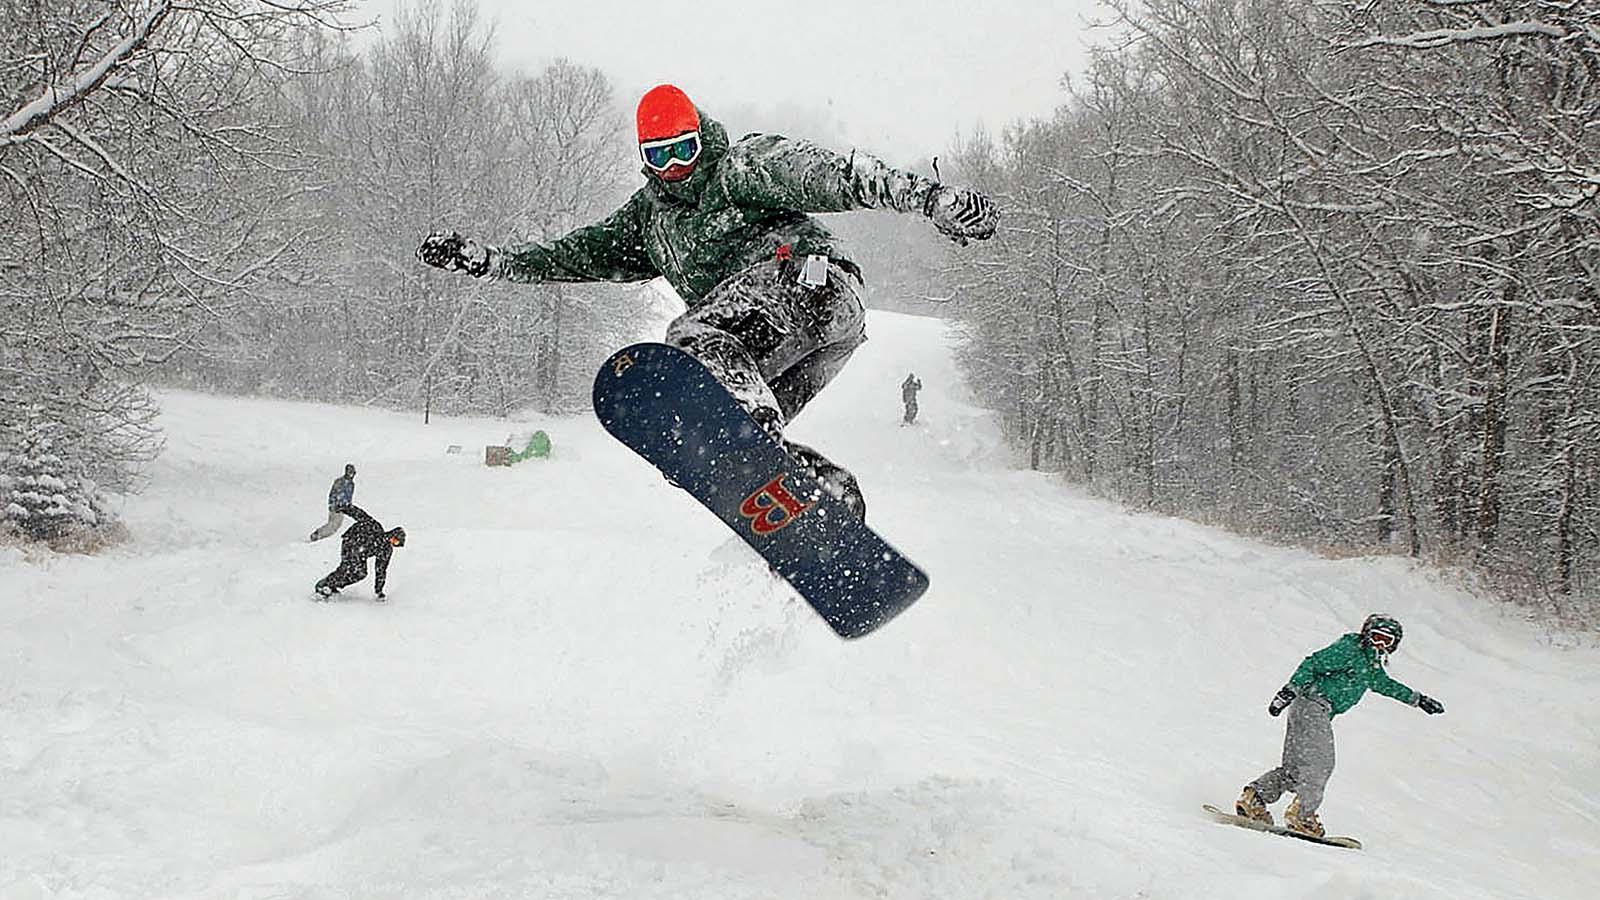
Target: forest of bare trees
pixel 1322 271
pixel 226 195
pixel 144 197
pixel 423 129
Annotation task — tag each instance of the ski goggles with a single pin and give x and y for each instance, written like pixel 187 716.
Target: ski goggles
pixel 681 150
pixel 1382 640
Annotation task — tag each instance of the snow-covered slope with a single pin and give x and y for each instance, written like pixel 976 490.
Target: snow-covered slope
pixel 581 689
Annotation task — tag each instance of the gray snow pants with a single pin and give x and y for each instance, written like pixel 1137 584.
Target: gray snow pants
pixel 1307 755
pixel 331 527
pixel 773 342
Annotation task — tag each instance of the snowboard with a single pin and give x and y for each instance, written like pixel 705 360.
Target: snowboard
pixel 339 596
pixel 1348 843
pixel 668 408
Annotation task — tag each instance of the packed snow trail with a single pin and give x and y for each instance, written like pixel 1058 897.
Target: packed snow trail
pixel 582 687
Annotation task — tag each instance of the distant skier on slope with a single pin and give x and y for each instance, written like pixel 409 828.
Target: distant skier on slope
pixel 771 310
pixel 342 492
pixel 364 539
pixel 908 396
pixel 1327 683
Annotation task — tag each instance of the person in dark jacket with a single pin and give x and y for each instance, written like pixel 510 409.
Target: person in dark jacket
pixel 364 539
pixel 772 310
pixel 1327 683
pixel 342 493
pixel 908 395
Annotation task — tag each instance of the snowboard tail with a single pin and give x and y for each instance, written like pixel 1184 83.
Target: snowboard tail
pixel 1348 843
pixel 668 408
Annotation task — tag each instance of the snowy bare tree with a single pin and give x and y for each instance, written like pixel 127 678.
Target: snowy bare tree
pixel 44 495
pixel 138 141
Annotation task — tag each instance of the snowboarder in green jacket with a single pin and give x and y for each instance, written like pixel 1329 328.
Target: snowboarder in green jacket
pixel 1327 683
pixel 772 310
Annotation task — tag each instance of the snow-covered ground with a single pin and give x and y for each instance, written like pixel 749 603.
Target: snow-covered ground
pixel 581 689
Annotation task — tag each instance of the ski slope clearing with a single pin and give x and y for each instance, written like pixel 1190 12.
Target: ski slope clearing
pixel 582 687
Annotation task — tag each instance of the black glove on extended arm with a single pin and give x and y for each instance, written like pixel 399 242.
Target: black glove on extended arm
pixel 449 250
pixel 1282 699
pixel 1429 705
pixel 959 213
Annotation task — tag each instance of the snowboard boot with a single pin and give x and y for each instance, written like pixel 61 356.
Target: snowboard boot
pixel 1303 822
pixel 1250 806
pixel 770 420
pixel 834 479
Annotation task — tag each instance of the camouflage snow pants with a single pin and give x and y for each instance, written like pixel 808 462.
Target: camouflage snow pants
pixel 772 341
pixel 1307 755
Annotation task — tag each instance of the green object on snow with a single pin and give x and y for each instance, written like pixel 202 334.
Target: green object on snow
pixel 538 448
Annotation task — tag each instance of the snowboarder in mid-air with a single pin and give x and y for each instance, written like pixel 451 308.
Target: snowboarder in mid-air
pixel 908 396
pixel 364 539
pixel 772 312
pixel 1327 683
pixel 342 492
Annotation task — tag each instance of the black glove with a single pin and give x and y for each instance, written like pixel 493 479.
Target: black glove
pixel 1281 700
pixel 960 214
pixel 449 250
pixel 1429 705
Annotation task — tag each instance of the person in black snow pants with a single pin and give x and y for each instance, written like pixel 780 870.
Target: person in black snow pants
pixel 908 395
pixel 342 492
pixel 772 303
pixel 364 539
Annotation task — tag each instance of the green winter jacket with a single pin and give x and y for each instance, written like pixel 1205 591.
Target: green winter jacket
pixel 1345 670
pixel 740 204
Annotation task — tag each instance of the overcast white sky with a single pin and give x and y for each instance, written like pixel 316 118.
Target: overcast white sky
pixel 898 77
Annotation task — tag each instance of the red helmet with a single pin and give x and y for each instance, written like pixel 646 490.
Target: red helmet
pixel 669 132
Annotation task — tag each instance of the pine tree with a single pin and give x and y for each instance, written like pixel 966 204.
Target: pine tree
pixel 44 495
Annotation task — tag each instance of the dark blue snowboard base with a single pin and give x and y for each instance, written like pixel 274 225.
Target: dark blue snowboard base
pixel 668 408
